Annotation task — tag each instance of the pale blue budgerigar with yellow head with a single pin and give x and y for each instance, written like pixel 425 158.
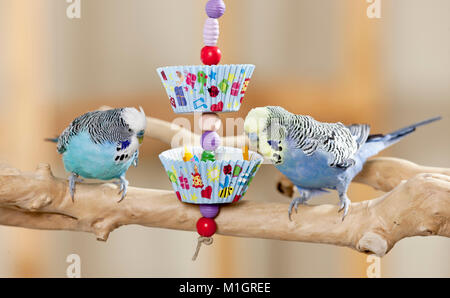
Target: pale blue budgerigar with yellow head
pixel 102 145
pixel 316 156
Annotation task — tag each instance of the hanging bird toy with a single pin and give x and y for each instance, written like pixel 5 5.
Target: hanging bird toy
pixel 208 175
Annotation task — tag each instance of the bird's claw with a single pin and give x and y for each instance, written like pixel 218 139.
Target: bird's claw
pixel 73 179
pixel 294 204
pixel 136 159
pixel 345 204
pixel 123 184
pixel 121 187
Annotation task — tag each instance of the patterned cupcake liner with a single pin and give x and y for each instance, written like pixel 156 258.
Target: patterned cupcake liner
pixel 217 182
pixel 204 88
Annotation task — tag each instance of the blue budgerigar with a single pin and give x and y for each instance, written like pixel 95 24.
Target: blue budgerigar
pixel 316 156
pixel 102 145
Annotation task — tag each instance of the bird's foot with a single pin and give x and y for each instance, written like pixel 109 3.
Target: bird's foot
pixel 294 204
pixel 345 204
pixel 73 179
pixel 136 159
pixel 123 184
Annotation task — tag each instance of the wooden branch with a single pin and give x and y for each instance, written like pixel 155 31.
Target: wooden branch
pixel 418 206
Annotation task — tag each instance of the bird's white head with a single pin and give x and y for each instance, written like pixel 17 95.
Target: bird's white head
pixel 255 125
pixel 136 121
pixel 256 120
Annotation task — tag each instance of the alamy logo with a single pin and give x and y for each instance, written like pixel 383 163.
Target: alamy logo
pixel 374 9
pixel 74 269
pixel 374 269
pixel 73 11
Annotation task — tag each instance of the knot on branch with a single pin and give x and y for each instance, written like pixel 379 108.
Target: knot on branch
pixel 44 171
pixel 102 227
pixel 39 203
pixel 372 243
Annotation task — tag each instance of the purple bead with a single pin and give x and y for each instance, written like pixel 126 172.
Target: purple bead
pixel 210 140
pixel 215 8
pixel 209 210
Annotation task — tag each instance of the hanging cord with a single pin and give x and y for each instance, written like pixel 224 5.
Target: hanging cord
pixel 204 240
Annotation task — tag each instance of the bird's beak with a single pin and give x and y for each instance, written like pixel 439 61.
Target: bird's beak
pixel 253 137
pixel 140 139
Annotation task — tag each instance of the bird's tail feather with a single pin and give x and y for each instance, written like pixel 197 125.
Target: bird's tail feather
pixel 53 140
pixel 379 142
pixel 395 136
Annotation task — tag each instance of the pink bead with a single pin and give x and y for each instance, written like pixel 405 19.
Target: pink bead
pixel 210 121
pixel 215 8
pixel 210 140
pixel 211 32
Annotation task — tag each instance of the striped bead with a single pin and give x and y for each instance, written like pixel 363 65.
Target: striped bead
pixel 211 32
pixel 215 8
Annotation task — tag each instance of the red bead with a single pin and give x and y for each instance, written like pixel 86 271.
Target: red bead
pixel 210 55
pixel 206 227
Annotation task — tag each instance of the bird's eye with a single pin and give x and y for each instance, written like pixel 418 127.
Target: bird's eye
pixel 129 129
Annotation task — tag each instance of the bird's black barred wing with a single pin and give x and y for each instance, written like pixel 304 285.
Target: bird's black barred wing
pixel 336 139
pixel 71 130
pixel 102 126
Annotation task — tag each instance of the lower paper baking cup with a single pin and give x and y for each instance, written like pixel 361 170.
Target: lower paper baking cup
pixel 217 182
pixel 206 88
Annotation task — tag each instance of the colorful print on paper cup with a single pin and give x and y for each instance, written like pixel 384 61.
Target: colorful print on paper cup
pixel 203 88
pixel 217 182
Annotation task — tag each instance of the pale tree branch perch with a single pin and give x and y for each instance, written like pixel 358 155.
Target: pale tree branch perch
pixel 418 204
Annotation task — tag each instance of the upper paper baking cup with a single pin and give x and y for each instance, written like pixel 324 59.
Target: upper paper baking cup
pixel 206 88
pixel 217 182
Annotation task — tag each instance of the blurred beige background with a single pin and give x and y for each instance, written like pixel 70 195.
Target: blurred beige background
pixel 325 58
